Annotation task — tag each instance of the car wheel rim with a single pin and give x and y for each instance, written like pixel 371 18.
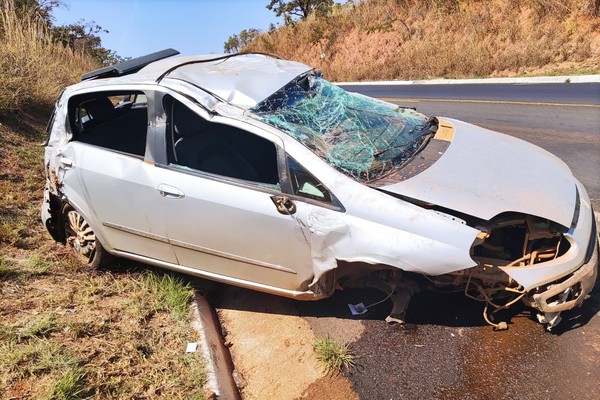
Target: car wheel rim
pixel 80 236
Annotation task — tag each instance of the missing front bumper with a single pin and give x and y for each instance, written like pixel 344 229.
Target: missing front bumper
pixel 570 293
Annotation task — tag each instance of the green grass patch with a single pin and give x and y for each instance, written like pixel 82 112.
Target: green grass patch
pixel 35 358
pixel 5 270
pixel 38 264
pixel 334 356
pixel 170 293
pixel 69 386
pixel 34 328
pixel 11 231
pixel 39 327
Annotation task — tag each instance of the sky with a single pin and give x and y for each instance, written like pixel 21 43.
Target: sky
pixel 139 27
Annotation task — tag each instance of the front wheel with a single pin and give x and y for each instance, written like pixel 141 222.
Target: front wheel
pixel 81 239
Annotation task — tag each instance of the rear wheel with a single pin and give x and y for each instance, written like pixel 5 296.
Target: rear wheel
pixel 81 238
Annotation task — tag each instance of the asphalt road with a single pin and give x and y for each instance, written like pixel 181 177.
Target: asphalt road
pixel 557 93
pixel 446 351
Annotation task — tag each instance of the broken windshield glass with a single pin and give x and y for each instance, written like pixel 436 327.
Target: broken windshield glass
pixel 362 137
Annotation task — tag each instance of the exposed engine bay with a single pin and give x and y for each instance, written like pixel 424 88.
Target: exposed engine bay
pixel 509 240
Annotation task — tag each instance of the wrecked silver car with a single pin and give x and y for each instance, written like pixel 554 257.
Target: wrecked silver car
pixel 257 172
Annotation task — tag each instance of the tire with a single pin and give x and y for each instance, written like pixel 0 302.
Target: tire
pixel 80 237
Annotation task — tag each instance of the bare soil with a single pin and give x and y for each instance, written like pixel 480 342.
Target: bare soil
pixel 272 350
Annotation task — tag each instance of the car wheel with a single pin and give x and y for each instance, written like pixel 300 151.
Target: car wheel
pixel 81 238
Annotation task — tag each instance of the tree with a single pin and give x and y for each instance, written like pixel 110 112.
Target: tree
pixel 83 37
pixel 34 10
pixel 299 8
pixel 236 43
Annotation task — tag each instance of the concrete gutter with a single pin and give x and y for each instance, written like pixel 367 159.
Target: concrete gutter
pixel 219 366
pixel 522 80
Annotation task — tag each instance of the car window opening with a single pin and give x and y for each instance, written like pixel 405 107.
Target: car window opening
pixel 362 137
pixel 219 149
pixel 114 121
pixel 305 184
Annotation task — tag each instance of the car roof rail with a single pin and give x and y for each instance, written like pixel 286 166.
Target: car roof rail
pixel 129 66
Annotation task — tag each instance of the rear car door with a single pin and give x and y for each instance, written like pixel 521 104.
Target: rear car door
pixel 105 175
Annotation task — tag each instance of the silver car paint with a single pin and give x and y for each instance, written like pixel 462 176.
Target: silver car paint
pixel 484 173
pixel 376 228
pixel 579 238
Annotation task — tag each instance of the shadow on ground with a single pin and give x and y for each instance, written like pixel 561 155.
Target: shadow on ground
pixel 425 308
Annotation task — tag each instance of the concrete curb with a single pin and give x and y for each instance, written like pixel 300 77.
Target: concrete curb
pixel 523 80
pixel 219 366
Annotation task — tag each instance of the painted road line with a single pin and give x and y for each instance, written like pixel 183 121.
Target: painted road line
pixel 525 103
pixel 517 80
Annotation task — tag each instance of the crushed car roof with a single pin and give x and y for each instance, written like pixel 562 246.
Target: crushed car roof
pixel 242 80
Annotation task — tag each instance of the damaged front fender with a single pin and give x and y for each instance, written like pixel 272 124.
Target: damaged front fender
pixel 399 241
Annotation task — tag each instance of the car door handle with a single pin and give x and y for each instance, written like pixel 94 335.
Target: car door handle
pixel 284 205
pixel 66 163
pixel 170 191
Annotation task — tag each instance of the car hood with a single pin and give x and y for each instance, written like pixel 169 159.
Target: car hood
pixel 484 173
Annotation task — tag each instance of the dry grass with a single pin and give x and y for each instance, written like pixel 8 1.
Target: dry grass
pixel 67 332
pixel 412 39
pixel 33 69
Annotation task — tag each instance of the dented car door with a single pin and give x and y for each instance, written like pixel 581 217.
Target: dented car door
pixel 103 174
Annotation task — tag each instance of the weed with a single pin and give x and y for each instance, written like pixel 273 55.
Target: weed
pixel 11 231
pixel 334 356
pixel 38 264
pixel 38 328
pixel 170 293
pixel 69 386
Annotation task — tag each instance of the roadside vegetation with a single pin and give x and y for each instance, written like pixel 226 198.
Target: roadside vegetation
pixel 423 39
pixel 38 59
pixel 67 331
pixel 334 356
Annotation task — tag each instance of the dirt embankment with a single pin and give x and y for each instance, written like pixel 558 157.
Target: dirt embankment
pixel 420 39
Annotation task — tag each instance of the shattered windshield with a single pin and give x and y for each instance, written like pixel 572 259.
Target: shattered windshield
pixel 362 137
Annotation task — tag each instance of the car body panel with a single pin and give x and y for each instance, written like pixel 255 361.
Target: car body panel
pixel 579 237
pixel 257 78
pixel 233 229
pixel 119 199
pixel 484 173
pixel 345 237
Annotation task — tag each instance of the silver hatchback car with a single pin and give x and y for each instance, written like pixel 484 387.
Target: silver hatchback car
pixel 255 171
